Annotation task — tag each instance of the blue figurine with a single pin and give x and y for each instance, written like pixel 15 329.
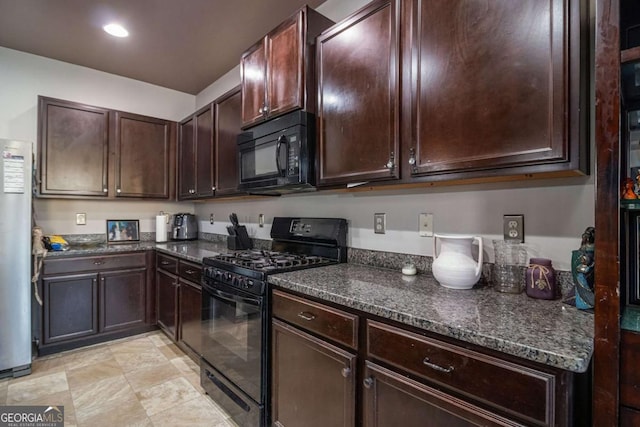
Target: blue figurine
pixel 582 266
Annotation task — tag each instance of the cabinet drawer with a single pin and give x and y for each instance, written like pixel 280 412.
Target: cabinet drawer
pixel 521 391
pixel 328 322
pixel 167 263
pixel 93 263
pixel 190 271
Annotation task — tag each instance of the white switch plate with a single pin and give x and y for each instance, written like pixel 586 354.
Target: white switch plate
pixel 379 223
pixel 81 219
pixel 426 225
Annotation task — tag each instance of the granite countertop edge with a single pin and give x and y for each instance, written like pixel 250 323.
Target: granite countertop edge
pixel 192 250
pixel 576 359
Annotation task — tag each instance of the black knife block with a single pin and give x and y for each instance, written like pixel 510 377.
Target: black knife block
pixel 240 240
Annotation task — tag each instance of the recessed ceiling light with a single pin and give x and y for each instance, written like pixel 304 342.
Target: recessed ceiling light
pixel 116 30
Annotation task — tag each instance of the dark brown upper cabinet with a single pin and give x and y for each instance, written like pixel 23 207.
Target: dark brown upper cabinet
pixel 228 121
pixel 494 86
pixel 92 152
pixel 421 91
pixel 277 71
pixel 73 148
pixel 196 155
pixel 143 166
pixel 207 149
pixel 358 96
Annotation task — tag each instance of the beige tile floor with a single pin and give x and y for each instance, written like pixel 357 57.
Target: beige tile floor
pixel 143 380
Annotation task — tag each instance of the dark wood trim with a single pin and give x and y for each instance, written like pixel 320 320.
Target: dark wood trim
pixel 45 349
pixel 629 55
pixel 607 273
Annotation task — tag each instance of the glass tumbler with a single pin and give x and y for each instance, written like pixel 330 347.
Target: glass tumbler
pixel 509 267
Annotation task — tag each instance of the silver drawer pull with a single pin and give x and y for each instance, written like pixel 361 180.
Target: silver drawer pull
pixel 437 367
pixel 99 262
pixel 367 382
pixel 306 316
pixel 346 372
pixel 165 262
pixel 189 271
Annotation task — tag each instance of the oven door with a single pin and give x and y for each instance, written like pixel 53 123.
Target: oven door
pixel 233 335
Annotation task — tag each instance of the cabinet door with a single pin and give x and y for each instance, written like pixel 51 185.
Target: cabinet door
pixel 285 70
pixel 70 307
pixel 358 90
pixel 204 161
pixel 253 70
pixel 191 315
pixel 487 99
pixel 167 296
pixel 228 123
pixel 143 165
pixel 73 148
pixel 122 299
pixel 186 159
pixel 314 374
pixel 391 399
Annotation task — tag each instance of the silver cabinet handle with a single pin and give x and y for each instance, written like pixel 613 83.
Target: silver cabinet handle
pixel 437 367
pixel 165 262
pixel 367 382
pixel 98 262
pixel 213 188
pixel 346 372
pixel 391 164
pixel 105 190
pixel 189 271
pixel 260 110
pixel 118 191
pixel 306 316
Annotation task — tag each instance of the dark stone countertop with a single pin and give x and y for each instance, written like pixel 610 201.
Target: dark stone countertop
pixel 547 332
pixel 193 250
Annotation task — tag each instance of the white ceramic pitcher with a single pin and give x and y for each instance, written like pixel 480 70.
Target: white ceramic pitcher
pixel 455 267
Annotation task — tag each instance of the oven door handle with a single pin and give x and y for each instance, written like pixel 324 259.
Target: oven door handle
pixel 233 298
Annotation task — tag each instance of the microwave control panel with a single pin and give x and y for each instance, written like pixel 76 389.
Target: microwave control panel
pixel 293 160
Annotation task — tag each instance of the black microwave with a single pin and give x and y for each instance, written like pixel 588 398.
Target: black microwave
pixel 278 156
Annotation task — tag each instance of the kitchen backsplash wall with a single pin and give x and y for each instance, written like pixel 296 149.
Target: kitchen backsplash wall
pixel 556 213
pixel 59 216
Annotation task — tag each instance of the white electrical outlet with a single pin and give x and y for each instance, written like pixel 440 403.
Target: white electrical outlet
pixel 425 224
pixel 379 223
pixel 81 219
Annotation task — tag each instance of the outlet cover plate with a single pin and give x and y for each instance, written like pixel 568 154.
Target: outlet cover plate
pixel 513 228
pixel 379 223
pixel 426 225
pixel 81 219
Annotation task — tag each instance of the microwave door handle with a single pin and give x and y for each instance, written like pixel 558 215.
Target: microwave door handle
pixel 281 140
pixel 233 298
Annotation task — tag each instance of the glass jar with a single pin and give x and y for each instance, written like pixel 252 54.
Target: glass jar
pixel 509 266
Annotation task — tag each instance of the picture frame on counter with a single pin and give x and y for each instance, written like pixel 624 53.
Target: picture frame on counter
pixel 123 230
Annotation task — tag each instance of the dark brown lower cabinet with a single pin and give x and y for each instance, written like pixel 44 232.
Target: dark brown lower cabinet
pixel 313 381
pixel 167 291
pixel 89 299
pixel 70 307
pixel 392 399
pixel 122 299
pixel 190 315
pixel 406 377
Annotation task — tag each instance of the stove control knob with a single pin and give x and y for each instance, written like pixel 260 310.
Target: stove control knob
pixel 240 282
pixel 218 274
pixel 249 284
pixel 229 277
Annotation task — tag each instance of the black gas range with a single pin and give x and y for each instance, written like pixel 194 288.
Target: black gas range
pixel 235 310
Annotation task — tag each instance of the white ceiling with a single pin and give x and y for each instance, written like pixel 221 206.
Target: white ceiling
pixel 180 44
